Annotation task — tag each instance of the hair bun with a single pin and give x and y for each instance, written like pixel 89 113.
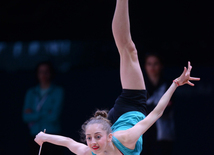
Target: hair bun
pixel 101 113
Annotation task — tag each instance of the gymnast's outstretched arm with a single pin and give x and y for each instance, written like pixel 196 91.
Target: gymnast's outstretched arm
pixel 141 127
pixel 73 146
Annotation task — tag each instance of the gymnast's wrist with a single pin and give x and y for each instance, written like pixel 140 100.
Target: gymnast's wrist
pixel 176 82
pixel 44 137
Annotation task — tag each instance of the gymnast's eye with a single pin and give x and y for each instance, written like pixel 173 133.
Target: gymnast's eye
pixel 98 137
pixel 88 138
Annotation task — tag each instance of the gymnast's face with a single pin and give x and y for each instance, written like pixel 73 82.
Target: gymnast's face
pixel 97 139
pixel 153 66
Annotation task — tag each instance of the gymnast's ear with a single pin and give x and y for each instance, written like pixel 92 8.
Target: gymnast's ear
pixel 110 137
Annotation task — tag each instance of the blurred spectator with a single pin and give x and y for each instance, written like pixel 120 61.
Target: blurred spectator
pixel 42 108
pixel 158 140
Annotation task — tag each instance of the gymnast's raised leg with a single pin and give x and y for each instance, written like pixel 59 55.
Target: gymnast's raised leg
pixel 130 71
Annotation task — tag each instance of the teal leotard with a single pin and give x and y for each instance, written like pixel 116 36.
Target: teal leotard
pixel 124 122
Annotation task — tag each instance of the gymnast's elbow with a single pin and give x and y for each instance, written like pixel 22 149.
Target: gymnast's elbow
pixel 158 115
pixel 64 141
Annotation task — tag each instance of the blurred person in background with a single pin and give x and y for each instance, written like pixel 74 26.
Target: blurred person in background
pixel 160 137
pixel 42 108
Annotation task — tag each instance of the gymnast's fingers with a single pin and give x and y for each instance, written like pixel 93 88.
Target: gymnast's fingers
pixel 190 83
pixel 194 78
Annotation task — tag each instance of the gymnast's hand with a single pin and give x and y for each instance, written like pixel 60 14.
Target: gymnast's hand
pixel 39 139
pixel 185 77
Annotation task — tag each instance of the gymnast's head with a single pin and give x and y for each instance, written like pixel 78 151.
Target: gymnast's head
pixel 97 131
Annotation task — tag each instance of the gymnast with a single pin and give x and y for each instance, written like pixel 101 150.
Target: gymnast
pixel 128 115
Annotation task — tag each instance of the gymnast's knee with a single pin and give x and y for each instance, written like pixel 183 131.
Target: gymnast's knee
pixel 128 48
pixel 130 51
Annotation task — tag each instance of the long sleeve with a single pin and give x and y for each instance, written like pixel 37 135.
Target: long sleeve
pixel 57 104
pixel 29 113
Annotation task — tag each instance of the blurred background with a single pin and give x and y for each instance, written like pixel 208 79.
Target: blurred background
pixel 76 37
